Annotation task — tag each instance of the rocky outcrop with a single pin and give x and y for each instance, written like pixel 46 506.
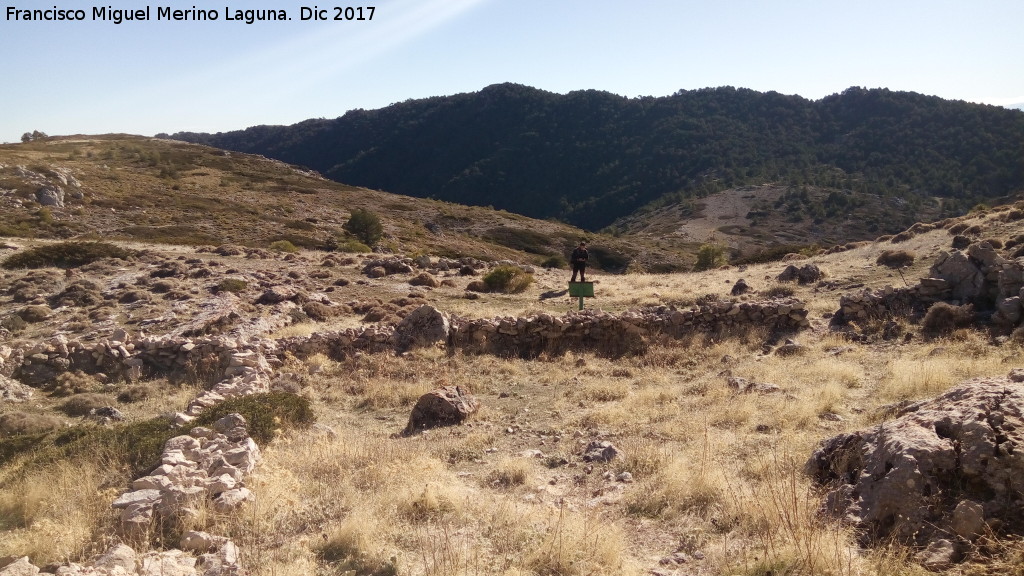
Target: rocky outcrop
pixel 948 468
pixel 444 406
pixel 979 276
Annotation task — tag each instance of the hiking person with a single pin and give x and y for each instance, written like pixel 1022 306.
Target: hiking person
pixel 579 262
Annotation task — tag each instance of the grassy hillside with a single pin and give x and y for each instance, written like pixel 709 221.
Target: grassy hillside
pixel 134 188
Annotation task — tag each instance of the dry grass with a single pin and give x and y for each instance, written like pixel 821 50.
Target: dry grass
pixel 55 513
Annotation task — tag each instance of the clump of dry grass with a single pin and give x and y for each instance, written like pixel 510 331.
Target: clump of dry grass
pixel 53 513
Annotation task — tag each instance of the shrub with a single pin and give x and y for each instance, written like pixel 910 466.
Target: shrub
pixel 710 256
pixel 81 404
pixel 508 279
pixel 318 311
pixel 75 382
pixel 365 226
pixel 136 393
pixel 283 246
pixel 17 423
pixel 779 291
pixel 231 285
pixel 943 318
pixel 264 414
pixel 557 261
pixel 349 245
pixel 895 258
pixel 65 255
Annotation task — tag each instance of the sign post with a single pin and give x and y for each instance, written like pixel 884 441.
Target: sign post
pixel 581 290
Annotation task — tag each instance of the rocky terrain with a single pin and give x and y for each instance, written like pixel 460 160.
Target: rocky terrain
pixel 226 408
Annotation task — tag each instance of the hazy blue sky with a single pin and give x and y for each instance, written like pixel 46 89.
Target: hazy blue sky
pixel 158 76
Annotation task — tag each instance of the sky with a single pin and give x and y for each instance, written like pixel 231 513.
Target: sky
pixel 151 76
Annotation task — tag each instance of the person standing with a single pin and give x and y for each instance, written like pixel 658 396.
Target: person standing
pixel 579 262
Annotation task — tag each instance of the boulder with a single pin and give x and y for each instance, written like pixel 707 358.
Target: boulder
pixel 445 406
pixel 947 468
pixel 965 279
pixel 50 195
pixel 425 326
pixel 740 287
pixel 277 294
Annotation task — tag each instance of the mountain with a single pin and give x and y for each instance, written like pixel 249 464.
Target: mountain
pixel 591 158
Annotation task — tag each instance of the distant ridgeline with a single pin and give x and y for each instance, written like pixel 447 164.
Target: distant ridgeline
pixel 591 157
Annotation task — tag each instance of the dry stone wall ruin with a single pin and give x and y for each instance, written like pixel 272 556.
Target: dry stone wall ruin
pixel 978 275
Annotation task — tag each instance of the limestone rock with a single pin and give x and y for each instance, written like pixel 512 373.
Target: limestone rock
pixel 278 294
pixel 965 278
pixel 893 480
pixel 20 567
pixel 118 556
pixel 50 195
pixel 803 275
pixel 443 406
pixel 425 326
pixel 13 391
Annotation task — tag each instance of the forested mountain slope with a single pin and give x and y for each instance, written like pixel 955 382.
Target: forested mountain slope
pixel 591 157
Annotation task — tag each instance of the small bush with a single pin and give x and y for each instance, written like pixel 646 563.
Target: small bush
pixel 231 285
pixel 265 414
pixel 779 291
pixel 283 246
pixel 895 258
pixel 318 311
pixel 902 237
pixel 348 245
pixel 79 293
pixel 365 226
pixel 943 318
pixel 76 382
pixel 508 279
pixel 81 404
pixel 65 255
pixel 19 423
pixel 136 393
pixel 710 256
pixel 558 262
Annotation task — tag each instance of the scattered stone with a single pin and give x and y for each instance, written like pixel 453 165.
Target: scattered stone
pixel 600 451
pixel 744 386
pixel 806 274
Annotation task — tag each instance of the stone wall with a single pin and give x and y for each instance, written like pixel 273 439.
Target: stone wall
pixel 237 362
